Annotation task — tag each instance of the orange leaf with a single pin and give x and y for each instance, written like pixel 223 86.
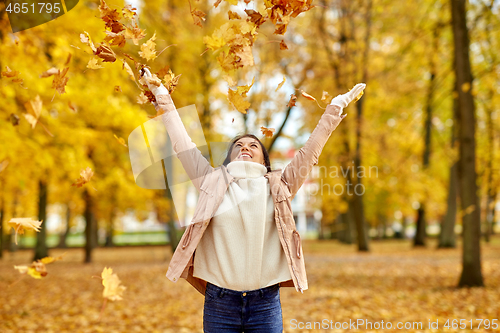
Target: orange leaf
pixel 268 132
pixel 283 46
pixel 292 101
pixel 9 73
pixel 233 15
pixel 85 176
pixel 306 95
pixel 198 17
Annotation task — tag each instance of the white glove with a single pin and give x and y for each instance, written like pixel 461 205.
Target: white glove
pixel 161 90
pixel 344 99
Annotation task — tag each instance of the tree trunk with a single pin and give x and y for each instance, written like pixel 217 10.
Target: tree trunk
pixel 1 231
pixel 471 255
pixel 111 229
pixel 491 188
pixel 41 250
pixel 346 233
pixel 419 239
pixel 89 225
pixel 447 237
pixel 64 235
pixel 421 218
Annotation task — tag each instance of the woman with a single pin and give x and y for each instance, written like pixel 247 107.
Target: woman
pixel 243 232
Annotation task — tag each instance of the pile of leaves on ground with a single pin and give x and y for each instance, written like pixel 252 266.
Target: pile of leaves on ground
pixel 394 283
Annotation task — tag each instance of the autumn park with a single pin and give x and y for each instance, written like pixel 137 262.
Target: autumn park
pixel 398 220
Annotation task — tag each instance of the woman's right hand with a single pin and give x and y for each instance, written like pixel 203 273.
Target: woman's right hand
pixel 156 90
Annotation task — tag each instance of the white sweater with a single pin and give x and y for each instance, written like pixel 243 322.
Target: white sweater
pixel 241 250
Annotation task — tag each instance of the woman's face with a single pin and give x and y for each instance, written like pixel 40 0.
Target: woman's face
pixel 247 149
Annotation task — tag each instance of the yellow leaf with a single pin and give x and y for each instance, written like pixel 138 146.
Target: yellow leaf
pixel 34 273
pixel 148 51
pixel 34 109
pixel 118 89
pixel 233 2
pixel 128 70
pixel 237 101
pixel 466 87
pixel 128 12
pixel 112 288
pixel 326 97
pixel 94 64
pixel 20 223
pixel 281 84
pixel 142 99
pixel 85 38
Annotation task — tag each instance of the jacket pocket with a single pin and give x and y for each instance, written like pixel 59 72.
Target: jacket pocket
pixel 187 236
pixel 297 242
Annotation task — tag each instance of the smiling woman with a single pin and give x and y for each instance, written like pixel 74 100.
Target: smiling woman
pixel 242 245
pixel 248 147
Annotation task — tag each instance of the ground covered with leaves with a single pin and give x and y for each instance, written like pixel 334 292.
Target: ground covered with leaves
pixel 395 283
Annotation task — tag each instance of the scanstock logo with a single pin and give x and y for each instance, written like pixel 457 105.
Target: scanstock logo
pixel 26 14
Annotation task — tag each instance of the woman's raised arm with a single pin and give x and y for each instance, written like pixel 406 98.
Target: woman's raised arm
pixel 298 169
pixel 194 163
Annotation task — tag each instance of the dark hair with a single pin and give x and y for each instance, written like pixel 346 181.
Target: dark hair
pixel 267 162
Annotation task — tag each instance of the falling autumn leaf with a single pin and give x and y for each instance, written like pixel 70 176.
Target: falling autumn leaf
pixel 113 289
pixel 326 97
pixel 105 53
pixel 118 89
pixel 280 30
pixel 60 79
pixel 120 140
pixel 198 17
pixel 291 102
pixel 21 223
pixel 128 70
pixel 38 269
pixel 94 64
pixel 233 15
pixel 128 12
pixel 135 33
pixel 142 99
pixel 283 46
pixel 281 84
pixel 148 51
pixel 85 38
pixel 9 73
pixel 306 95
pixel 34 109
pixel 466 87
pixel 236 97
pixel 85 176
pixel 268 132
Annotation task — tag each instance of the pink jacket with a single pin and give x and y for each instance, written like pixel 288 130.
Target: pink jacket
pixel 212 183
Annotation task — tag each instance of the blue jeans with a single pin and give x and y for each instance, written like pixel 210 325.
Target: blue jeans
pixel 231 311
